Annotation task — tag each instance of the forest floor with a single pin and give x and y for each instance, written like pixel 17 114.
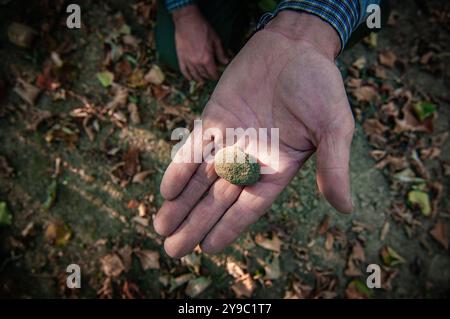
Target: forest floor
pixel 81 162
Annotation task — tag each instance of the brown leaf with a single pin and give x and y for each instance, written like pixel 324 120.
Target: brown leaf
pixel 234 269
pixel 384 230
pixel 141 176
pixel 411 123
pixel 377 154
pixel 440 233
pixel 439 140
pixel 387 58
pixel 272 270
pixel 389 110
pixel 155 76
pixel 395 163
pixel 131 160
pixel 360 63
pixel 37 117
pixel 430 153
pixel 125 255
pixel 324 225
pixel 365 93
pixel 355 259
pixel 329 241
pixel 142 210
pixel 119 100
pixel 21 35
pixel 106 290
pixel 244 287
pixel 273 244
pixel 374 126
pixel 354 83
pixel 26 91
pixel 196 286
pixel 112 265
pixel 419 166
pixel 134 114
pixel 149 259
pixel 193 261
pixel 130 291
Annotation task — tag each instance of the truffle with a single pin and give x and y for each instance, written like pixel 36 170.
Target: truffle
pixel 236 166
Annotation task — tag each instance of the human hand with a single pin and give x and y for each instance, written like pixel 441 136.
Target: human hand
pixel 285 78
pixel 197 44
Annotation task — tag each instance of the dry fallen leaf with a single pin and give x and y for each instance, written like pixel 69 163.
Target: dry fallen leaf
pixel 273 244
pixel 193 261
pixel 130 291
pixel 119 100
pixel 356 257
pixel 180 280
pixel 26 91
pixel 141 176
pixel 384 230
pixel 149 259
pixel 374 126
pixel 440 233
pixel 21 35
pixel 244 286
pixel 58 233
pixel 324 225
pixel 155 76
pixel 196 286
pixel 365 93
pixel 106 290
pixel 135 118
pixel 387 58
pixel 272 269
pixel 131 160
pixel 234 269
pixel 329 241
pixel 125 255
pixel 112 265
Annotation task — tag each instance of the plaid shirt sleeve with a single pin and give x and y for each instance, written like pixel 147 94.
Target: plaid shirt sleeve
pixel 172 5
pixel 343 15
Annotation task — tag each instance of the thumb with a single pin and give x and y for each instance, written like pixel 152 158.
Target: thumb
pixel 220 52
pixel 333 180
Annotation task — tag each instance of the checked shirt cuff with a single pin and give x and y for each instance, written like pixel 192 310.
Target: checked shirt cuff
pixel 342 15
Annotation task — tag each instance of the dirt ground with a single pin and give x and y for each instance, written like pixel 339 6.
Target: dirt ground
pixel 79 173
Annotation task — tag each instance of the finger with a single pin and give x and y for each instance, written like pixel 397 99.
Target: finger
pixel 195 73
pixel 173 212
pixel 211 69
pixel 183 165
pixel 250 206
pixel 220 52
pixel 203 72
pixel 203 217
pixel 333 155
pixel 185 71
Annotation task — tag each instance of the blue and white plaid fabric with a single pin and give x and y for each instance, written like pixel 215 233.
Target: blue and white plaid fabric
pixel 343 15
pixel 176 4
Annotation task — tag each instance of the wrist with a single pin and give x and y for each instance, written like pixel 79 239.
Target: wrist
pixel 186 13
pixel 307 28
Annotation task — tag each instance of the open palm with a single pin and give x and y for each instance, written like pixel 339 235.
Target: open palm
pixel 292 85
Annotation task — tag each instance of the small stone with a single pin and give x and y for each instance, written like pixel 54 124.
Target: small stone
pixel 236 166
